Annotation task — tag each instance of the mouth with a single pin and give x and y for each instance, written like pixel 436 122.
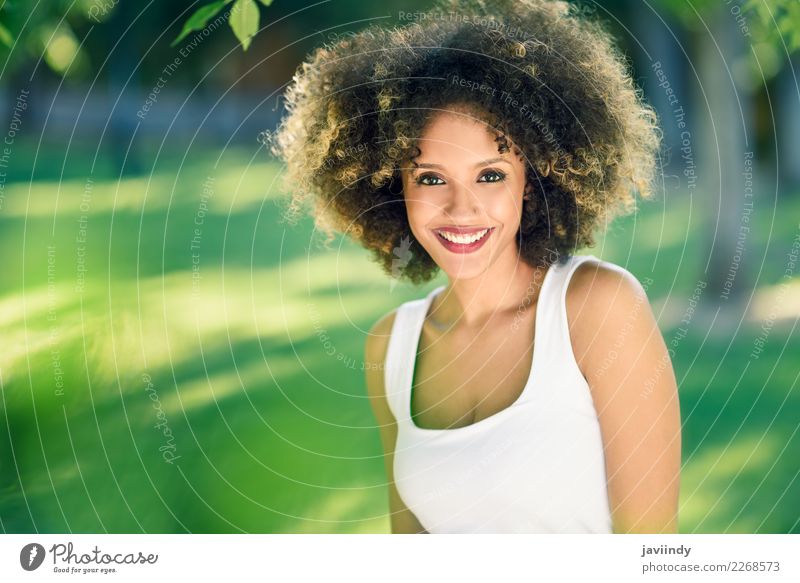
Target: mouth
pixel 463 240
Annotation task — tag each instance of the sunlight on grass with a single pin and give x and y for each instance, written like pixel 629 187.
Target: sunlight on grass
pixel 36 302
pixel 712 470
pixel 162 322
pixel 196 394
pixel 235 188
pixel 340 505
pixel 776 302
pixel 35 323
pixel 268 420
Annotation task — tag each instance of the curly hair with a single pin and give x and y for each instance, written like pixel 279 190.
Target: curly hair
pixel 537 71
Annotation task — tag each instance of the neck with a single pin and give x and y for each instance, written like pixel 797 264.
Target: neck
pixel 509 286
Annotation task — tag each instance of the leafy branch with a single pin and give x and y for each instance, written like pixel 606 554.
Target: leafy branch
pixel 243 18
pixel 786 17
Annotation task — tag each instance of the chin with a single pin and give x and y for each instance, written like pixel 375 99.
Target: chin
pixel 455 277
pixel 463 270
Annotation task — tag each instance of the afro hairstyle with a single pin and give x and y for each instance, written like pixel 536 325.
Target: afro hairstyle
pixel 562 95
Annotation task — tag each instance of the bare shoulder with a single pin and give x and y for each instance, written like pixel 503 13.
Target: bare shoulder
pixel 383 326
pixel 402 519
pixel 608 284
pixel 603 301
pixel 375 347
pixel 622 354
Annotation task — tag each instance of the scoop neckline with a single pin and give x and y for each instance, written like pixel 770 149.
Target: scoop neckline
pixel 502 412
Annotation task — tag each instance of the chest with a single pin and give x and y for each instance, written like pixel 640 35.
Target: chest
pixel 461 378
pixel 541 469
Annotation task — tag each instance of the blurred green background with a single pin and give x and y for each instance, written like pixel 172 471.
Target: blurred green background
pixel 179 359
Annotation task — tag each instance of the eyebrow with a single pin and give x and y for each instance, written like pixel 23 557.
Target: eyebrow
pixel 481 163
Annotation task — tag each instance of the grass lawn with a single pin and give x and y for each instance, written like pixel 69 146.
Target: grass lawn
pixel 149 385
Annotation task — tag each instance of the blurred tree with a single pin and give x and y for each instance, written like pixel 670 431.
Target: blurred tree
pixel 738 48
pixel 771 26
pixel 740 44
pixel 31 30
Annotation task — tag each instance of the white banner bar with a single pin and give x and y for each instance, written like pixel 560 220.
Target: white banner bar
pixel 384 558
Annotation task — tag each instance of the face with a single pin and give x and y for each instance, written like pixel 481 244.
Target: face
pixel 464 198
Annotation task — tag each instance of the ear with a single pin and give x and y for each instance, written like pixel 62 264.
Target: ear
pixel 527 193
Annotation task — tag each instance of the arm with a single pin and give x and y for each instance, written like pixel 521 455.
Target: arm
pixel 623 356
pixel 402 519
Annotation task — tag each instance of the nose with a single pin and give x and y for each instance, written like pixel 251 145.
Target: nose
pixel 462 202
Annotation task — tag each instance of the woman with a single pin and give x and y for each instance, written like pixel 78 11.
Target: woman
pixel 534 392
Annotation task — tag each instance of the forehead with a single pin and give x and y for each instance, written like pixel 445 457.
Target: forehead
pixel 452 126
pixel 459 136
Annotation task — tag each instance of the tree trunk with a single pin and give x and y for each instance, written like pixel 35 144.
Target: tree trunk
pixel 724 150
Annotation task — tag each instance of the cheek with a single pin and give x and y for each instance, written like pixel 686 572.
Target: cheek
pixel 418 205
pixel 418 214
pixel 412 208
pixel 506 206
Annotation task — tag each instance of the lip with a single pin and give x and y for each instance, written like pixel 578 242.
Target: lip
pixel 463 247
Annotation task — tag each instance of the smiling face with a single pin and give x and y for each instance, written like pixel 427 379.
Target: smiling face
pixel 464 197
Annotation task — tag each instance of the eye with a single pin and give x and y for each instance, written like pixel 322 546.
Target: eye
pixel 425 179
pixel 492 176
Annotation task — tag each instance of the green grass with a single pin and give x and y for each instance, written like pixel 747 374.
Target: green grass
pixel 272 426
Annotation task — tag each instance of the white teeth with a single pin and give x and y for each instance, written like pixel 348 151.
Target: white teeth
pixel 463 239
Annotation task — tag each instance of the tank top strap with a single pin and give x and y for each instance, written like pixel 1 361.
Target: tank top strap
pixel 553 336
pixel 554 294
pixel 401 352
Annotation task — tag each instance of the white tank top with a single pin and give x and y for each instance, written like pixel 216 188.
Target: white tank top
pixel 534 467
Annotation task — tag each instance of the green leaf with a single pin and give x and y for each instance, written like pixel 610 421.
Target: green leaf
pixel 266 2
pixel 751 5
pixel 5 36
pixel 244 21
pixel 199 19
